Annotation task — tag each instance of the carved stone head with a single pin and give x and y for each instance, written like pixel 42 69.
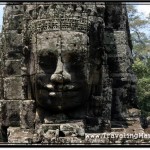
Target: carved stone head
pixel 63 61
pixel 62 79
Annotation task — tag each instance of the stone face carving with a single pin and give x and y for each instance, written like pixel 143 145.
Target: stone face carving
pixel 65 51
pixel 67 74
pixel 62 80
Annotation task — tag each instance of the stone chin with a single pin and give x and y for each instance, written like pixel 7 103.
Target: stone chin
pixel 61 101
pixel 54 100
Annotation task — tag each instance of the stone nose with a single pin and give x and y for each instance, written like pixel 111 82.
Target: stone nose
pixel 60 75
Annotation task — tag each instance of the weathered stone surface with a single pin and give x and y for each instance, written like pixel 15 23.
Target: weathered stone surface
pixel 134 112
pixel 1 89
pixel 10 112
pixel 57 118
pixel 17 135
pixel 148 121
pixel 66 127
pixel 12 68
pixel 13 38
pixel 27 114
pixel 13 88
pixel 116 38
pixel 47 132
pixel 46 127
pixel 1 66
pixel 13 44
pixel 119 64
pixel 1 136
pixel 16 22
pixel 74 61
pixel 73 129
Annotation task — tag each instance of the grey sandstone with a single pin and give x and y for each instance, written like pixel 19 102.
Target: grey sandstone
pixel 65 72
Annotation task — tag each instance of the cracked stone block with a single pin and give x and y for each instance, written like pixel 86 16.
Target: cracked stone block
pixel 69 133
pixel 13 88
pixel 14 44
pixel 13 38
pixel 10 112
pixel 72 125
pixel 45 127
pixel 27 113
pixel 13 67
pixel 73 129
pixel 18 135
pixel 67 127
pixel 13 17
pixel 79 132
pixel 46 132
pixel 49 135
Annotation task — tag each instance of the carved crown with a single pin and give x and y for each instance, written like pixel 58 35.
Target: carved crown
pixel 63 16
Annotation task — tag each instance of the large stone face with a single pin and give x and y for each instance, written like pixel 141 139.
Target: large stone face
pixel 65 73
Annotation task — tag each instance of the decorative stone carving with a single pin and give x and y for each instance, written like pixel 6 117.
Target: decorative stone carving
pixel 66 70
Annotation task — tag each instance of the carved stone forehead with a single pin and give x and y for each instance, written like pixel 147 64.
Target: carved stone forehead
pixel 59 40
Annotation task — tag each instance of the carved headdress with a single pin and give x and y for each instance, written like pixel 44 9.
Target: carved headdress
pixel 68 16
